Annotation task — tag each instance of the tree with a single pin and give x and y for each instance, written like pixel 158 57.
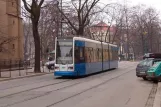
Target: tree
pixel 145 29
pixel 49 25
pixel 28 40
pixel 81 12
pixel 34 10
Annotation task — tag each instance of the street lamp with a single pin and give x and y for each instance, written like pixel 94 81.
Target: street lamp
pixel 143 43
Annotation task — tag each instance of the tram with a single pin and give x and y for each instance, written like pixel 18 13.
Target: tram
pixel 77 56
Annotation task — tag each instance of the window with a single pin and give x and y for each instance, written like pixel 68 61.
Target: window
pixel 79 55
pixel 13 46
pixel 64 51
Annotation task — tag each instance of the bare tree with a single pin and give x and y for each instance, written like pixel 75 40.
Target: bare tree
pixel 34 10
pixel 81 10
pixel 145 29
pixel 28 40
pixel 49 27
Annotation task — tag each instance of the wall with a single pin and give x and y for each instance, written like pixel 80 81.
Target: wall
pixel 12 30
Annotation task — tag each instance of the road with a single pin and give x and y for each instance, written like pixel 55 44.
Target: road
pixel 115 88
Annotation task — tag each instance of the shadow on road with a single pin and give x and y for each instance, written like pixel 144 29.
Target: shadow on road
pixel 146 81
pixel 78 77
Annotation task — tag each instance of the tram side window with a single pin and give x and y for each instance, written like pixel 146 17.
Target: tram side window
pixel 79 54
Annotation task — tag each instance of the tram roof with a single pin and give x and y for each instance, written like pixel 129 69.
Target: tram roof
pixel 94 41
pixel 85 39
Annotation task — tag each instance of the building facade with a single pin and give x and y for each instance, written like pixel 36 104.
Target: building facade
pixel 11 30
pixel 103 32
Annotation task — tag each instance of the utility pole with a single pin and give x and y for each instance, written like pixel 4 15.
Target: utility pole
pixel 102 50
pixel 61 19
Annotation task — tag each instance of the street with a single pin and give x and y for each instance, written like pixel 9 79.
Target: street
pixel 114 88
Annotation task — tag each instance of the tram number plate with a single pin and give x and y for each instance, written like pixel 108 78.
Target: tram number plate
pixel 63 67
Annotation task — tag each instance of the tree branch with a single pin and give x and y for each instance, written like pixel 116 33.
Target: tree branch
pixel 41 2
pixel 26 7
pixel 67 19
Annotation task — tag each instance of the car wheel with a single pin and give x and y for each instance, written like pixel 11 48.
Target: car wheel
pixel 155 81
pixel 159 79
pixel 144 78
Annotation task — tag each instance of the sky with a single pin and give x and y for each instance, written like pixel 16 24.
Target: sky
pixel 152 3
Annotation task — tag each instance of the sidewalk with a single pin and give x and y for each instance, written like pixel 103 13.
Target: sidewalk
pixel 15 74
pixel 157 100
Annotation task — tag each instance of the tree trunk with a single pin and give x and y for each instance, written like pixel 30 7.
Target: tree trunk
pixel 37 46
pixel 80 31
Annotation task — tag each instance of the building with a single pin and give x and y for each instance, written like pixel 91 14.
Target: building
pixel 102 32
pixel 11 30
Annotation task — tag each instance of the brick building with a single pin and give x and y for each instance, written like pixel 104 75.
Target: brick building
pixel 102 31
pixel 11 30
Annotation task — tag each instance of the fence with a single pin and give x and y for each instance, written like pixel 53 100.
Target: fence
pixel 19 66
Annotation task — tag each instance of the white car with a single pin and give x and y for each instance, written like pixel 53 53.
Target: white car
pixel 50 64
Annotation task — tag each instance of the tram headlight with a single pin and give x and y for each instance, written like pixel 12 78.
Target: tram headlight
pixel 56 67
pixel 71 68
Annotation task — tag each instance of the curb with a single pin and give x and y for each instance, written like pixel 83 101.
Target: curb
pixel 157 100
pixel 15 69
pixel 28 76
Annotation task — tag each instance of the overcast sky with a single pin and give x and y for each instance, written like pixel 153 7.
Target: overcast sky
pixel 153 3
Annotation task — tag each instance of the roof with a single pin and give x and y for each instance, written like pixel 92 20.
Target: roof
pixel 102 26
pixel 90 40
pixel 95 41
pixel 152 55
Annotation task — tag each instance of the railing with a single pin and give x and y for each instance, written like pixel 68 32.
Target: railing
pixel 19 66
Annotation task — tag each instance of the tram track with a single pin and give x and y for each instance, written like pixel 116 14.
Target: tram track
pixel 31 83
pixel 76 83
pixel 25 84
pixel 55 83
pixel 93 87
pixel 34 88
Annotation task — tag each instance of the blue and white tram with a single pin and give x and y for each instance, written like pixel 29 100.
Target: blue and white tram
pixel 77 56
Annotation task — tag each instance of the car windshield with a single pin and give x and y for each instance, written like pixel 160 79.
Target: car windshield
pixel 156 61
pixel 146 62
pixel 64 51
pixel 156 64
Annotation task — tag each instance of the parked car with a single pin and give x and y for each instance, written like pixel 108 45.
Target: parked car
pixel 143 67
pixel 152 55
pixel 50 64
pixel 154 73
pixel 147 55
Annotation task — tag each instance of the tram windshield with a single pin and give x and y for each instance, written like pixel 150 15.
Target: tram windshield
pixel 64 51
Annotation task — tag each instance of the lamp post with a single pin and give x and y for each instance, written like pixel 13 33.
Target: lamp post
pixel 61 17
pixel 143 42
pixel 102 50
pixel 56 2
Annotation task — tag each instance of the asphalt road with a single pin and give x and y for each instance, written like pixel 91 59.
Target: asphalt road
pixel 115 88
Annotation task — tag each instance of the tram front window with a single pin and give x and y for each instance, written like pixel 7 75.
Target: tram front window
pixel 64 52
